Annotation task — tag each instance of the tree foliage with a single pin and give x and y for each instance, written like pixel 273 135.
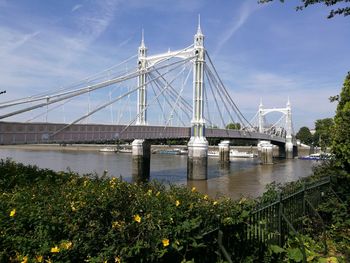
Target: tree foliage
pixel 344 9
pixel 341 131
pixel 233 126
pixel 304 135
pixel 323 134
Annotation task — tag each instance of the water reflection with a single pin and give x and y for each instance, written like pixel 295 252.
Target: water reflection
pixel 240 177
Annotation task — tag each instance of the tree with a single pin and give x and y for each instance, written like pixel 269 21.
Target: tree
pixel 340 10
pixel 304 135
pixel 341 131
pixel 323 134
pixel 233 126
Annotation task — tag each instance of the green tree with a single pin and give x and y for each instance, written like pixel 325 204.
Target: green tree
pixel 233 126
pixel 304 135
pixel 341 131
pixel 323 134
pixel 343 9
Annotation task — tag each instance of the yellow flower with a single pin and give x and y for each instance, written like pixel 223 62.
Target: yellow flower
pixel 39 258
pixel 149 192
pixel 66 245
pixel 55 249
pixel 205 197
pixel 243 199
pixel 73 207
pixel 158 193
pixel 215 203
pixel 177 203
pixel 165 242
pixel 13 212
pixel 117 260
pixel 116 224
pixel 193 189
pixel 24 259
pixel 113 182
pixel 86 183
pixel 137 218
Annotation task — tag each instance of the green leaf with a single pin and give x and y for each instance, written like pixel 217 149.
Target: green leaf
pixel 276 249
pixel 295 254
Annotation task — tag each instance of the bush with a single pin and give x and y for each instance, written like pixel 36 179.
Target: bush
pixel 63 217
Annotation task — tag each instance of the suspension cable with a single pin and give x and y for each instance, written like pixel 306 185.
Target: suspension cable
pixel 74 84
pixel 115 100
pixel 68 95
pixel 225 90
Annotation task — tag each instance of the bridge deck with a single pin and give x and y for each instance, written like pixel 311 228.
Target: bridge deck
pixel 23 133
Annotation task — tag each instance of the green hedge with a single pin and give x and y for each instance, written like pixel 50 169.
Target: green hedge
pixel 48 216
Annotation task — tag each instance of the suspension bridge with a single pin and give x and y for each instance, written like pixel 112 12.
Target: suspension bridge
pixel 153 101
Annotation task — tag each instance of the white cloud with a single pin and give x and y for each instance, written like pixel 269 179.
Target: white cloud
pixel 245 11
pixel 76 7
pixel 10 40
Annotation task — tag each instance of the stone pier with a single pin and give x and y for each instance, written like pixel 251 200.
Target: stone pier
pixel 289 148
pixel 141 160
pixel 265 149
pixel 224 152
pixel 197 161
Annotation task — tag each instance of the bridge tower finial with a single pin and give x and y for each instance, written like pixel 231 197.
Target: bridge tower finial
pixel 261 117
pixel 199 30
pixel 288 103
pixel 261 103
pixel 142 39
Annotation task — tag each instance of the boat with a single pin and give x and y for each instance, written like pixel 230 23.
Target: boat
pixel 124 150
pixel 213 154
pixel 172 151
pixel 107 149
pixel 183 151
pixel 175 151
pixel 317 156
pixel 237 154
pixel 233 154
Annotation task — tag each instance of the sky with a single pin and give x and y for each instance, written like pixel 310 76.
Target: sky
pixel 264 52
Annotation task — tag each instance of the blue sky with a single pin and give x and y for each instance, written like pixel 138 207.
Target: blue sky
pixel 260 51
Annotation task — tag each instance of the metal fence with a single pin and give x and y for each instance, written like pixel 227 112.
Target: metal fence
pixel 276 222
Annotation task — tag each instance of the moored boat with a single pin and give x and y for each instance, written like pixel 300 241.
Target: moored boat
pixel 317 156
pixel 107 149
pixel 124 150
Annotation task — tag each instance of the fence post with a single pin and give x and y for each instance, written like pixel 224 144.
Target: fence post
pixel 280 211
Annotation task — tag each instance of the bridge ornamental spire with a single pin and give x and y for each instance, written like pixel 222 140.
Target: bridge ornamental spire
pixel 141 82
pixel 289 130
pixel 261 117
pixel 198 145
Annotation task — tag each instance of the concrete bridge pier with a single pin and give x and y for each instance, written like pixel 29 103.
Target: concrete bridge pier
pixel 265 149
pixel 197 161
pixel 141 160
pixel 295 151
pixel 289 148
pixel 282 151
pixel 224 152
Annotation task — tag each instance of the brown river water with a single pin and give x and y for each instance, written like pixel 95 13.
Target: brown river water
pixel 243 177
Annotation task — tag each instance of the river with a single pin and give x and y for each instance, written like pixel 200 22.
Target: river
pixel 244 177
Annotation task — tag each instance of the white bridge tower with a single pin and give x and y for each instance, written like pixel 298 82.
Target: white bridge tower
pixel 197 164
pixel 287 111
